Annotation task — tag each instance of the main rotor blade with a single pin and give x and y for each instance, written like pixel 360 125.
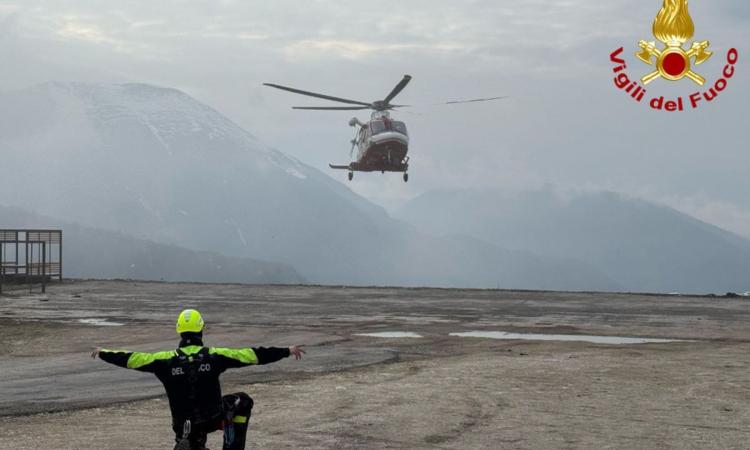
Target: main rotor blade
pixel 332 108
pixel 313 94
pixel 455 102
pixel 396 90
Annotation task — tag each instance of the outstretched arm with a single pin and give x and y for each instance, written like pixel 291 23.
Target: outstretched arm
pixel 145 362
pixel 273 354
pixel 118 358
pixel 256 355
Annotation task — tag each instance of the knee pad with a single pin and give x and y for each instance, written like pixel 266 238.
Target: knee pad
pixel 246 403
pixel 240 403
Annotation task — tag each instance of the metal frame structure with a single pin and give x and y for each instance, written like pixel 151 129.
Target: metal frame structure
pixel 30 256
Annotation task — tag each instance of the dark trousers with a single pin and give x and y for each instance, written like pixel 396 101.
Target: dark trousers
pixel 237 409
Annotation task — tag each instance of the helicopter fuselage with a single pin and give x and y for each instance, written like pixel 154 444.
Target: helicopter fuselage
pixel 382 145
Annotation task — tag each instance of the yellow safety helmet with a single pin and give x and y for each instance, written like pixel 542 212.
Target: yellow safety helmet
pixel 189 320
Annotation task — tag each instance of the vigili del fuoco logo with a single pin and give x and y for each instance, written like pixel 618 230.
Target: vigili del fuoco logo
pixel 672 62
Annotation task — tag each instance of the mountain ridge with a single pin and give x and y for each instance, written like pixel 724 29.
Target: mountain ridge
pixel 641 245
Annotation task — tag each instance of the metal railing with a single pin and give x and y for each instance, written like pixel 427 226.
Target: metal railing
pixel 34 269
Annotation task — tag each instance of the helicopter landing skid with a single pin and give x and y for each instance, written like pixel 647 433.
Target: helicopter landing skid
pixel 403 167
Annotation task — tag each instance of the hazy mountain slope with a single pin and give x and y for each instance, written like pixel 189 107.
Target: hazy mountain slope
pixel 640 245
pixel 156 164
pixel 95 253
pixel 460 261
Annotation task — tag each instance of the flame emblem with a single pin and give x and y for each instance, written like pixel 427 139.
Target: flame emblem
pixel 673 26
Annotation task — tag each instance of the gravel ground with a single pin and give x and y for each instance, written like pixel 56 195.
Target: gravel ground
pixel 355 391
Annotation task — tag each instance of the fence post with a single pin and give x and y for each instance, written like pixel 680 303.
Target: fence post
pixel 2 267
pixel 26 261
pixel 59 255
pixel 44 267
pixel 30 266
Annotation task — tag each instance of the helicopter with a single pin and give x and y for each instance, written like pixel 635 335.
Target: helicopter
pixel 382 142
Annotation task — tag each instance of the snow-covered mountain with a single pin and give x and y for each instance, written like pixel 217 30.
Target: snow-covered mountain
pixel 642 246
pixel 156 164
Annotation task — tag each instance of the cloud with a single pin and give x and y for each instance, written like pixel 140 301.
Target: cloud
pixel 348 49
pixel 564 123
pixel 85 32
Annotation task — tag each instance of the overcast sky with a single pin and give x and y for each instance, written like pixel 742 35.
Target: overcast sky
pixel 565 123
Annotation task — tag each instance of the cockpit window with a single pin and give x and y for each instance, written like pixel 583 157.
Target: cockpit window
pixel 399 127
pixel 377 126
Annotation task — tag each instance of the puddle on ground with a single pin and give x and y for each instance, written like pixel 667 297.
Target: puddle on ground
pixel 615 340
pixel 391 334
pixel 100 322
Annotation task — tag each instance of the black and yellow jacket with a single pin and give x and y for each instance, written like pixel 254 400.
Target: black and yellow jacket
pixel 191 373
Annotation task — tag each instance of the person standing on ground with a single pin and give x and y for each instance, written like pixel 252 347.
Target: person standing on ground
pixel 190 376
